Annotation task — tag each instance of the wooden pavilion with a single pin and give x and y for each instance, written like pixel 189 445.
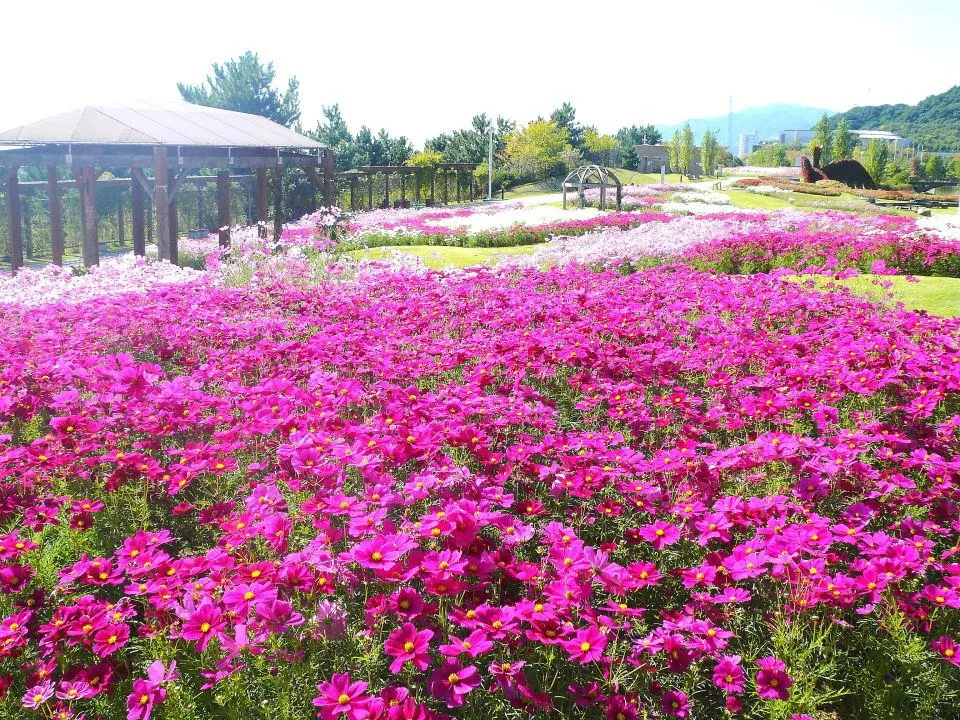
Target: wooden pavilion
pixel 161 146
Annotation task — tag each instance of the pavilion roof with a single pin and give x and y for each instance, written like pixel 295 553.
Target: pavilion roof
pixel 144 123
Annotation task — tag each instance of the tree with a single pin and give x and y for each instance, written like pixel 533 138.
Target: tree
pixel 335 134
pixel 686 149
pixel 469 145
pixel 933 168
pixel 842 141
pixel 600 144
pixel 674 152
pixel 875 159
pixel 897 173
pixel 769 155
pixel 709 151
pixel 538 146
pixel 245 84
pixel 565 117
pixel 953 167
pixel 821 137
pixel 642 135
pixel 629 157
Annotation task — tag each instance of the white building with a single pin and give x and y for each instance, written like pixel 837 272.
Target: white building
pixel 863 137
pixel 795 137
pixel 746 143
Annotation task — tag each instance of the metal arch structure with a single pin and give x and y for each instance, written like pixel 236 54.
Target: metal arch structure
pixel 592 176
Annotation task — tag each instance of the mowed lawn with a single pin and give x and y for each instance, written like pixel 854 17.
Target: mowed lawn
pixel 438 257
pixel 936 295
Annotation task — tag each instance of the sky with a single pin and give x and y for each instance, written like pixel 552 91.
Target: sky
pixel 419 67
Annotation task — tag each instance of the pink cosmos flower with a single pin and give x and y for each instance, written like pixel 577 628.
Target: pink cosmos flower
pixel 407 644
pixel 660 533
pixel 675 703
pixel 340 697
pixel 772 679
pixel 204 624
pixel 728 675
pixel 948 649
pixel 38 695
pixel 586 646
pixel 451 682
pixel 108 640
pixel 476 643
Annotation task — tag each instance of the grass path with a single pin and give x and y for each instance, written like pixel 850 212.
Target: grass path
pixel 936 295
pixel 436 256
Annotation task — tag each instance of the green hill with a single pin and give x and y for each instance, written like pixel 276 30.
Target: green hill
pixel 934 121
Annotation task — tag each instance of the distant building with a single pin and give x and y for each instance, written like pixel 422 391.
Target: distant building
pixel 650 158
pixel 795 137
pixel 863 138
pixel 746 143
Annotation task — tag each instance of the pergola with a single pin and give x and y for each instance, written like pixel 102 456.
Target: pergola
pixel 592 176
pixel 168 142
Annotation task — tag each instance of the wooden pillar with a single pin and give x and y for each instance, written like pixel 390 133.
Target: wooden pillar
pixel 459 185
pixel 137 196
pixel 262 201
pixel 445 190
pixel 13 219
pixel 173 214
pixel 277 202
pixel 55 207
pixel 91 240
pixel 120 229
pixel 27 228
pixel 386 188
pixel 354 182
pixel 370 188
pixel 151 224
pixel 433 185
pixel 160 176
pixel 329 178
pixel 223 206
pixel 403 187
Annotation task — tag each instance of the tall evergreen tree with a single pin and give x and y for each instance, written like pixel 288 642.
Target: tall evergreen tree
pixel 842 141
pixel 565 117
pixel 245 84
pixel 821 138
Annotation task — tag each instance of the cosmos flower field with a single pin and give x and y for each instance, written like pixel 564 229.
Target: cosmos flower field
pixel 589 487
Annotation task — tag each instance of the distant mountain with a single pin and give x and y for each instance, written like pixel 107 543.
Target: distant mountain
pixel 766 122
pixel 933 122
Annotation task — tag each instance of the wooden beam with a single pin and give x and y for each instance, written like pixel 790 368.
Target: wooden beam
pixel 223 207
pixel 137 197
pixel 91 240
pixel 14 224
pixel 177 183
pixel 145 184
pixel 262 201
pixel 277 202
pixel 55 208
pixel 159 198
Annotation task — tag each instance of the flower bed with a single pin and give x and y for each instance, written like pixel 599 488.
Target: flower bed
pixel 567 493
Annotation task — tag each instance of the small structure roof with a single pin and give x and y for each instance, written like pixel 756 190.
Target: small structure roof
pixel 142 123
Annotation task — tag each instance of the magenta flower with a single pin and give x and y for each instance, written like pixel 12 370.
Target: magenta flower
pixel 143 696
pixel 586 646
pixel 108 640
pixel 728 675
pixel 204 624
pixel 38 695
pixel 407 644
pixel 340 697
pixel 675 703
pixel 773 683
pixel 948 649
pixel 660 533
pixel 451 682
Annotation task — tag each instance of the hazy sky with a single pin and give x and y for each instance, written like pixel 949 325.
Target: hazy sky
pixel 419 67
